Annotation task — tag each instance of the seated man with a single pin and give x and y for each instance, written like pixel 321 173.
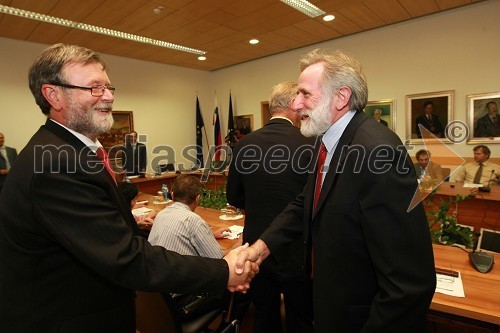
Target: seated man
pixel 144 221
pixel 481 171
pixel 427 169
pixel 178 228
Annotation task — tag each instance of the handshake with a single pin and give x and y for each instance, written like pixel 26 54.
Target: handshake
pixel 244 263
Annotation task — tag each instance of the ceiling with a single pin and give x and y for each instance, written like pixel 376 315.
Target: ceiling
pixel 222 28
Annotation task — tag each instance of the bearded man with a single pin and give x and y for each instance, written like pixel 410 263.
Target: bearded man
pixel 370 256
pixel 71 254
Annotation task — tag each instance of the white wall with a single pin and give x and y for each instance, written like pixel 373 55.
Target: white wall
pixel 455 50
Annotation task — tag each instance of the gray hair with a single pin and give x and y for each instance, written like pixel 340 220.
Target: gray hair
pixel 340 70
pixel 47 68
pixel 281 96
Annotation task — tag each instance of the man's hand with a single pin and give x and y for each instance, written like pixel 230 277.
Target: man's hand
pixel 255 253
pixel 240 281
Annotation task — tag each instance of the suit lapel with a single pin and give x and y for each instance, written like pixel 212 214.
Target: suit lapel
pixel 339 157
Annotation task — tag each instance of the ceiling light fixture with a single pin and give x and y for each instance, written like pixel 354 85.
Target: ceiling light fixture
pixel 96 29
pixel 201 58
pixel 305 7
pixel 254 41
pixel 328 18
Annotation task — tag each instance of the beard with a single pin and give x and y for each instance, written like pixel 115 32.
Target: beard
pixel 89 121
pixel 318 120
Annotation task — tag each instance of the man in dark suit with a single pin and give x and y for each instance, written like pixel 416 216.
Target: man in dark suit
pixel 489 124
pixel 7 157
pixel 430 121
pixel 370 258
pixel 377 115
pixel 70 250
pixel 134 155
pixel 268 171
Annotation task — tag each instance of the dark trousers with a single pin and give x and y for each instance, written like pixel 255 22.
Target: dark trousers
pixel 266 297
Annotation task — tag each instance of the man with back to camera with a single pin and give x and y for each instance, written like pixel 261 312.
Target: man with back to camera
pixel 7 157
pixel 70 252
pixel 268 171
pixel 370 259
pixel 481 171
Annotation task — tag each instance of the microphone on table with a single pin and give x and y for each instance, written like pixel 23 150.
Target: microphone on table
pixel 487 187
pixel 481 261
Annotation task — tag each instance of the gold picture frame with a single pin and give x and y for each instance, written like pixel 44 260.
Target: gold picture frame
pixel 387 112
pixel 443 102
pixel 123 124
pixel 481 129
pixel 244 123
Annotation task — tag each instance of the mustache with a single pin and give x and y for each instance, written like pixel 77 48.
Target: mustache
pixel 104 106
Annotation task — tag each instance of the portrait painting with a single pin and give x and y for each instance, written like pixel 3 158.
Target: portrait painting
pixel 123 124
pixel 244 124
pixel 383 111
pixel 433 111
pixel 483 118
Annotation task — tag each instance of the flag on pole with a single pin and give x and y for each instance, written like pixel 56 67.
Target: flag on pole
pixel 231 137
pixel 199 135
pixel 217 133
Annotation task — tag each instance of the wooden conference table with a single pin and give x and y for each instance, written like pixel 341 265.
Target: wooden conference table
pixel 211 216
pixel 480 307
pixel 483 211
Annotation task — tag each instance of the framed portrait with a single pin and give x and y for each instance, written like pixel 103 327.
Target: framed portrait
pixel 431 110
pixel 244 123
pixel 123 124
pixel 384 111
pixel 483 118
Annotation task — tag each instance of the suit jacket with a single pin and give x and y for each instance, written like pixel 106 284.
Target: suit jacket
pixel 11 155
pixel 434 170
pixel 134 160
pixel 434 125
pixel 264 184
pixel 383 122
pixel 486 128
pixel 70 252
pixel 373 260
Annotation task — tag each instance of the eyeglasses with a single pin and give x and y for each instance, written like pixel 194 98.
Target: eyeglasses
pixel 96 91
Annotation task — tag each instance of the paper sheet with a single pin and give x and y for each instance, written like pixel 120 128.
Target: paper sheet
pixel 234 233
pixel 450 285
pixel 141 211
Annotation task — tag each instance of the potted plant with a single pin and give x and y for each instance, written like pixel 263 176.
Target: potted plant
pixel 444 227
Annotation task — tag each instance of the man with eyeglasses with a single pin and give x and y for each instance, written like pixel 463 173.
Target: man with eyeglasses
pixel 71 254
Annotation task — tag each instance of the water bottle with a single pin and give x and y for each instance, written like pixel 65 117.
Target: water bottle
pixel 164 191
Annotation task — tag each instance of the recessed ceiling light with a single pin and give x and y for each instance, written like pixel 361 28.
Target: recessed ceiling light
pixel 305 7
pixel 253 41
pixel 96 29
pixel 202 58
pixel 328 18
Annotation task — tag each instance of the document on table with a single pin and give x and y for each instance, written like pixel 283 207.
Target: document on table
pixel 234 233
pixel 471 185
pixel 141 211
pixel 449 284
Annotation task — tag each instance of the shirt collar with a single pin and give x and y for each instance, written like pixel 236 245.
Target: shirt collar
pixel 280 117
pixel 89 143
pixel 332 136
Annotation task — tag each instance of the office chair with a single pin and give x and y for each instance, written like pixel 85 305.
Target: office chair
pixel 155 313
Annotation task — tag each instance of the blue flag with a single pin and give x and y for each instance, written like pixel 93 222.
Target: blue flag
pixel 199 134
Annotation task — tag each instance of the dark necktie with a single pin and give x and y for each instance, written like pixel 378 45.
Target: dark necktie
pixel 319 174
pixel 103 156
pixel 479 172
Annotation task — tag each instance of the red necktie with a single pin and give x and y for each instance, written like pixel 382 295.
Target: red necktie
pixel 319 174
pixel 103 156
